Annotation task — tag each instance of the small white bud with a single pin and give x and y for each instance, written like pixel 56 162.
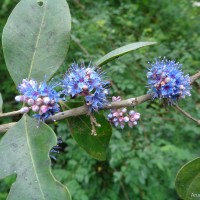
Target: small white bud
pixel 124 110
pixel 46 100
pixel 131 112
pixel 110 116
pixel 24 110
pixel 135 123
pixel 182 87
pixel 167 80
pixel 19 98
pixel 126 119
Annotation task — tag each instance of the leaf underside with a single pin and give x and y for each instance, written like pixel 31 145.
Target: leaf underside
pixel 81 130
pixel 24 150
pixel 36 39
pixel 121 51
pixel 188 180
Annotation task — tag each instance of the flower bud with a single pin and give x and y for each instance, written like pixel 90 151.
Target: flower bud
pixel 115 114
pixel 35 108
pixel 121 126
pixel 167 80
pixel 162 83
pixel 46 100
pixel 44 109
pixel 116 124
pixel 124 110
pixel 85 88
pixel 121 119
pixel 182 87
pixel 39 101
pixel 134 123
pixel 24 110
pixel 110 116
pixel 30 102
pixel 137 116
pixel 131 112
pixel 19 98
pixel 126 119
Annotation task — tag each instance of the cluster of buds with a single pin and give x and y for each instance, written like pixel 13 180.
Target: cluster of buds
pixel 39 97
pixel 40 105
pixel 121 116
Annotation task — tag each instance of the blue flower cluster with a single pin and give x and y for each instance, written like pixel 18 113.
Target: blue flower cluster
pixel 167 81
pixel 40 97
pixel 88 82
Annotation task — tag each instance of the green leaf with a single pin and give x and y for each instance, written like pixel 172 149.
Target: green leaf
pixel 81 130
pixel 1 103
pixel 188 180
pixel 36 38
pixel 121 51
pixel 24 150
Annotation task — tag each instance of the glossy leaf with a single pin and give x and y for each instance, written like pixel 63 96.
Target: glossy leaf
pixel 122 51
pixel 36 38
pixel 188 180
pixel 24 150
pixel 1 103
pixel 81 130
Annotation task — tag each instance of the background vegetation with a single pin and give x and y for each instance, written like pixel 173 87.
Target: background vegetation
pixel 142 162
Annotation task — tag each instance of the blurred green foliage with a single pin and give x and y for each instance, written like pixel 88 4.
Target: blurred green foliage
pixel 142 162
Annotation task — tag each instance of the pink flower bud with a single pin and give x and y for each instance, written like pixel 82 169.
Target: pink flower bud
pixel 137 116
pixel 19 98
pixel 39 101
pixel 44 109
pixel 46 100
pixel 116 98
pixel 132 119
pixel 120 114
pixel 30 102
pixel 126 119
pixel 24 110
pixel 35 108
pixel 115 114
pixel 121 119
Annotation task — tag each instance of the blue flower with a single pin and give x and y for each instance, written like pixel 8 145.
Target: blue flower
pixel 41 97
pixel 88 82
pixel 167 81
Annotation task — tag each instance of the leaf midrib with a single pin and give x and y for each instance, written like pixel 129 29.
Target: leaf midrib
pixel 37 41
pixel 31 156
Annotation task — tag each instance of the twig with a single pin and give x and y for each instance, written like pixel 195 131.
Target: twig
pixel 9 114
pixel 187 114
pixel 83 110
